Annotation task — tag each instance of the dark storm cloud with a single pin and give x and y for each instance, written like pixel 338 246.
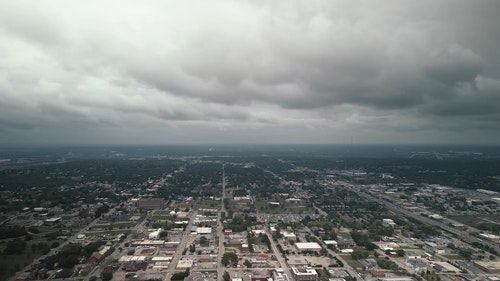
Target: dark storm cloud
pixel 381 69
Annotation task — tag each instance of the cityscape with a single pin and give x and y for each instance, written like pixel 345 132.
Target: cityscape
pixel 233 140
pixel 245 213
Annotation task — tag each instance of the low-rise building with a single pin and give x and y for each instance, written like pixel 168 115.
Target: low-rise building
pixel 492 267
pixel 304 274
pixel 151 203
pixel 308 246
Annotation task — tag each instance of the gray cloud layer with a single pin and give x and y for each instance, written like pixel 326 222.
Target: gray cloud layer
pixel 255 71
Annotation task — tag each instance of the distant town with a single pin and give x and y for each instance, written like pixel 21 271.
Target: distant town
pixel 263 213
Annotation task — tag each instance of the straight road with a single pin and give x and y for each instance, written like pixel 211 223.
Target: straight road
pixel 220 228
pixel 460 233
pixel 186 238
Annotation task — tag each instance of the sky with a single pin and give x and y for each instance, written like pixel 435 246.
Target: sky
pixel 249 72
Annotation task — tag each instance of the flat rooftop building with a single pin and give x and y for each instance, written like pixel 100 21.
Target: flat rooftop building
pixel 151 203
pixel 304 274
pixel 307 246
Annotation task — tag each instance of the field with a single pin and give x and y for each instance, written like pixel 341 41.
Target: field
pixel 35 248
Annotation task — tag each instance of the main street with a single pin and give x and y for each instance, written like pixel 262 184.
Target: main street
pixel 220 228
pixel 185 239
pixel 279 256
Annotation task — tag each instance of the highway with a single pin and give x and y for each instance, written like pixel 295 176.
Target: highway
pixel 460 233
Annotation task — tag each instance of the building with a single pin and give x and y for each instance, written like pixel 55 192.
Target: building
pixel 388 222
pixel 492 267
pixel 184 264
pixel 244 248
pixel 148 243
pixel 273 230
pixel 289 235
pixel 151 203
pixel 52 221
pixel 304 274
pixel 203 230
pixel 278 275
pixel 491 237
pixel 259 276
pixel 331 242
pixel 307 246
pixel 402 278
pixel 445 267
pixel 155 234
pixel 95 258
pixel 345 243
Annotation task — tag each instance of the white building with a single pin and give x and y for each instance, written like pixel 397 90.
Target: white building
pixel 155 234
pixel 307 246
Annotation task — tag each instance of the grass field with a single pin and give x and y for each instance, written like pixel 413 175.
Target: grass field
pixel 347 258
pixel 207 204
pixel 468 220
pixel 475 220
pixel 454 257
pixel 162 218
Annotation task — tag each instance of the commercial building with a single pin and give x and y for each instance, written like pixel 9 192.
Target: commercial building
pixel 151 203
pixel 308 246
pixel 304 274
pixel 492 267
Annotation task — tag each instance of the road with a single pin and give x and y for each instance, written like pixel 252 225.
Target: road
pixel 460 233
pixel 186 238
pixel 220 228
pixel 279 257
pixel 138 228
pixel 347 267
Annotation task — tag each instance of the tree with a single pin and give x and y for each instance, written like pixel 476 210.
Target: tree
pixel 229 258
pixel 203 240
pixel 106 276
pixel 15 246
pixel 180 275
pixel 370 246
pixel 248 264
pixel 359 254
pixel 226 276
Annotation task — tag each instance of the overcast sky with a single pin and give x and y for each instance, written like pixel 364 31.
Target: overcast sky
pixel 196 72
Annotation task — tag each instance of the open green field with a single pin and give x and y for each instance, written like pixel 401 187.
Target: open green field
pixel 453 257
pixel 207 204
pixel 475 220
pixel 162 218
pixel 468 220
